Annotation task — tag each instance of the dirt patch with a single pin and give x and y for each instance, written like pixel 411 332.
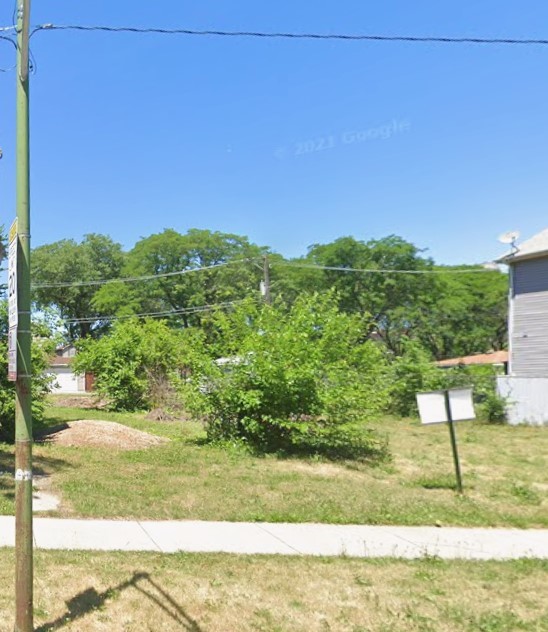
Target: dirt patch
pixel 78 401
pixel 159 414
pixel 101 434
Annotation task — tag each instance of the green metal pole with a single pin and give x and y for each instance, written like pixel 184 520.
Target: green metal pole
pixel 453 436
pixel 23 416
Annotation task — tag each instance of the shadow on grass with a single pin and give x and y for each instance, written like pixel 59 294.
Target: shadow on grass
pixel 372 452
pixel 90 600
pixel 41 466
pixel 437 482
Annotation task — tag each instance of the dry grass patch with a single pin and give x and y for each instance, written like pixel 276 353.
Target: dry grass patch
pixel 133 592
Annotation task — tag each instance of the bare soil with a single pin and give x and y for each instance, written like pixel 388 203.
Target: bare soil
pixel 101 434
pixel 78 401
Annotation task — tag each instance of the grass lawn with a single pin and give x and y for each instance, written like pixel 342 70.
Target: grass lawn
pixel 137 592
pixel 504 469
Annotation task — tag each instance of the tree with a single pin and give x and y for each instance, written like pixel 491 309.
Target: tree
pixel 292 378
pixel 388 298
pixel 172 253
pixel 136 366
pixel 468 315
pixel 58 265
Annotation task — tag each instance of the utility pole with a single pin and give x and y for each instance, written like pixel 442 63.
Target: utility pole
pixel 23 414
pixel 266 281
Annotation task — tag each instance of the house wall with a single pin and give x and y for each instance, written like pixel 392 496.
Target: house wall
pixel 529 318
pixel 66 381
pixel 526 399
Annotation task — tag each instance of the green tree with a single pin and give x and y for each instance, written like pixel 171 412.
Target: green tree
pixel 390 299
pixel 55 266
pixel 469 314
pixel 298 378
pixel 136 366
pixel 172 253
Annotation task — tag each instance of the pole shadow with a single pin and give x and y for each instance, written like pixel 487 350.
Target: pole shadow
pixel 89 600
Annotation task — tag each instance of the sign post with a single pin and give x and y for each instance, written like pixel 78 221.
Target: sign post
pixel 453 436
pixel 447 407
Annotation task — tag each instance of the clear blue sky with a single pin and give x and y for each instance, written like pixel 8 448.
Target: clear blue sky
pixel 132 134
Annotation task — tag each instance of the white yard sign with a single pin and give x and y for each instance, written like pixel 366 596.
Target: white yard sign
pixel 433 410
pixel 13 311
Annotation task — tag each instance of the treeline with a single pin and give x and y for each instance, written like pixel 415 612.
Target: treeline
pixel 181 278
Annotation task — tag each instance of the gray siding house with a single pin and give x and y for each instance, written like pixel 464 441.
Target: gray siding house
pixel 526 385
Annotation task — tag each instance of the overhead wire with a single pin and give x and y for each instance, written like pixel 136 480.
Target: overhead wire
pixel 12 41
pixel 288 264
pixel 147 277
pixel 162 314
pixel 313 266
pixel 290 35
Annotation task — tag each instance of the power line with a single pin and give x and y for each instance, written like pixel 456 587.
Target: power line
pixel 286 35
pixel 289 264
pixel 147 277
pixel 174 312
pixel 8 39
pixel 313 266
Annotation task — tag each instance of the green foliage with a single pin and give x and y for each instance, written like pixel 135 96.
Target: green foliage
pixel 415 372
pixel 468 313
pixel 172 252
pixel 388 299
pixel 97 257
pixel 136 366
pixel 292 379
pixel 42 348
pixel 493 408
pixel 450 312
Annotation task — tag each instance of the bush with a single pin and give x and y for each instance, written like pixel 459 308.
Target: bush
pixel 41 350
pixel 415 372
pixel 136 366
pixel 298 379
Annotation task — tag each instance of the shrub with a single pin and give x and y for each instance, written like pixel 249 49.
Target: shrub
pixel 41 350
pixel 136 366
pixel 416 372
pixel 298 378
pixel 413 372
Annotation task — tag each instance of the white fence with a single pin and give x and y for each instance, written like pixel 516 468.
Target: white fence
pixel 527 399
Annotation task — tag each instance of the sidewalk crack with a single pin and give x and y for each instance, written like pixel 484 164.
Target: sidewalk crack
pixel 160 550
pixel 261 526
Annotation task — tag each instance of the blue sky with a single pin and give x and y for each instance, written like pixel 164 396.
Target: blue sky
pixel 288 142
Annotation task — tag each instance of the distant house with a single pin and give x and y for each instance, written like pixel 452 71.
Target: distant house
pixel 66 381
pixel 526 385
pixel 495 358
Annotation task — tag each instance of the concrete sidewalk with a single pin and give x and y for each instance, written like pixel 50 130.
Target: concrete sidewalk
pixel 282 539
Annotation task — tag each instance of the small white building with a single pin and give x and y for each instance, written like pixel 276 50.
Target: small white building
pixel 526 385
pixel 66 381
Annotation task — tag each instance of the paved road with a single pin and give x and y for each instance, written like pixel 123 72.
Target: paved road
pixel 282 538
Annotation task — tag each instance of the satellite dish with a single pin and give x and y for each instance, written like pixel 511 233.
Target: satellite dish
pixel 510 237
